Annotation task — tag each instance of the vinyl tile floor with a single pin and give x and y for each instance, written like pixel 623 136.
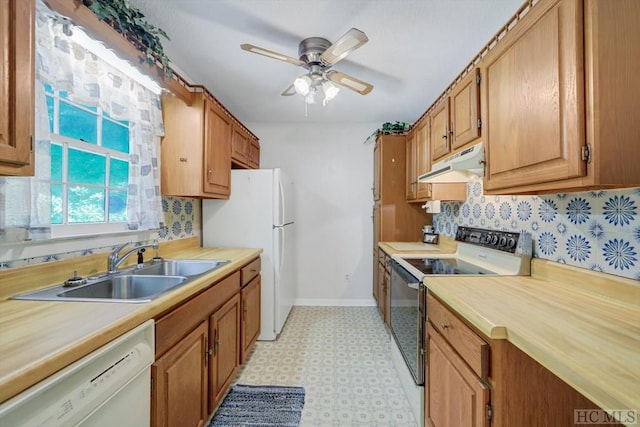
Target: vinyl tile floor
pixel 341 356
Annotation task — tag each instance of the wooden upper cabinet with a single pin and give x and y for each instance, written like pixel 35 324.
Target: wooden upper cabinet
pixel 245 149
pixel 423 157
pixel 196 148
pixel 254 153
pixel 376 171
pixel 217 147
pixel 239 146
pixel 533 99
pixel 465 109
pixel 17 78
pixel 440 132
pixel 411 184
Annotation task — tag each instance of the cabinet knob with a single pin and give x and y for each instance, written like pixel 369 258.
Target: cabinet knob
pixel 210 171
pixel 183 159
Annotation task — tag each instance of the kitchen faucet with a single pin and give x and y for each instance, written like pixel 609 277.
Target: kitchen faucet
pixel 114 261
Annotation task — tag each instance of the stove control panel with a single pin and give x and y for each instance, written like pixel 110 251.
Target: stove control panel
pixel 505 241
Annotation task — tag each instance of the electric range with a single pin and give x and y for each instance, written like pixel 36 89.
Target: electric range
pixel 480 252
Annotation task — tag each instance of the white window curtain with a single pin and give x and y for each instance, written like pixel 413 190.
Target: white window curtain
pixel 89 80
pixel 25 203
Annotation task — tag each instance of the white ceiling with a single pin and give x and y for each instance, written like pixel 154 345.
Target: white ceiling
pixel 415 49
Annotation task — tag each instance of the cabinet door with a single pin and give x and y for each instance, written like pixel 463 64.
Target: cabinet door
pixel 386 297
pixel 423 160
pixel 217 151
pixel 179 394
pixel 17 77
pixel 411 166
pixel 533 99
pixel 254 154
pixel 250 316
pixel 376 170
pixel 465 107
pixel 240 146
pixel 182 147
pixel 439 132
pixel 224 346
pixel 454 396
pixel 380 292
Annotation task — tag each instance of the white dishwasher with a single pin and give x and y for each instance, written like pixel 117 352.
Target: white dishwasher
pixel 110 387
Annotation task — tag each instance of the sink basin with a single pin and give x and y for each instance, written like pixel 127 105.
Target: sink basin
pixel 126 287
pixel 131 285
pixel 181 267
pixel 118 288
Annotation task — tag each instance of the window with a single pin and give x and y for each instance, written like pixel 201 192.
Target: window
pixel 89 163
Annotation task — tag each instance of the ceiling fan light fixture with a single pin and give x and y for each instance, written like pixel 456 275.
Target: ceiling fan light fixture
pixel 330 91
pixel 302 85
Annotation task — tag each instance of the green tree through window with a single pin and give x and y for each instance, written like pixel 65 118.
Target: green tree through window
pixel 89 162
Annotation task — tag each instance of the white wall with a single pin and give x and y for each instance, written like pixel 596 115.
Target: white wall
pixel 333 173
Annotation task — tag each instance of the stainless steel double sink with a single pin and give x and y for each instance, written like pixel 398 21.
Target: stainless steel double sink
pixel 132 285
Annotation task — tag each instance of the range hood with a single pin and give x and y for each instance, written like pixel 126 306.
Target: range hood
pixel 463 166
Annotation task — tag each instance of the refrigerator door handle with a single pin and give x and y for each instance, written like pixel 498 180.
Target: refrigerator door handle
pixel 280 250
pixel 281 203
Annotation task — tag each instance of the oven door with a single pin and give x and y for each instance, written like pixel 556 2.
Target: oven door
pixel 407 318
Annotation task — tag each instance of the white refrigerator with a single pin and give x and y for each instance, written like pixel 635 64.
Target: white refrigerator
pixel 259 215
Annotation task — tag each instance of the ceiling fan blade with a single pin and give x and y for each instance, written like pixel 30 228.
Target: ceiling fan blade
pixel 271 54
pixel 346 44
pixel 290 91
pixel 349 82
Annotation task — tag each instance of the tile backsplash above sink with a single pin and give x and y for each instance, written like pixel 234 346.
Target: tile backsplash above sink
pixel 597 230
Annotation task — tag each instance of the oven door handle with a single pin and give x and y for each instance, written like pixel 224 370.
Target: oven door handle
pixel 415 286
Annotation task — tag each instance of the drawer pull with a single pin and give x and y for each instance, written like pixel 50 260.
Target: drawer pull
pixel 445 327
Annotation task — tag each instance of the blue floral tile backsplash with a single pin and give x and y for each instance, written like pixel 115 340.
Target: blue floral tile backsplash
pixel 598 230
pixel 182 218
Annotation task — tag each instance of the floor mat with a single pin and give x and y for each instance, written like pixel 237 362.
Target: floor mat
pixel 259 405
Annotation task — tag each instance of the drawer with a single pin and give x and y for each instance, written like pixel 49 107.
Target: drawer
pixel 249 271
pixel 473 349
pixel 171 327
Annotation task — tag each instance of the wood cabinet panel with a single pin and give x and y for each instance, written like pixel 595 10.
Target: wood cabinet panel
pixel 250 316
pixel 196 148
pixel 17 92
pixel 249 271
pixel 224 347
pixel 171 327
pixel 533 99
pixel 179 393
pixel 254 153
pixel 439 131
pixel 423 160
pixel 217 150
pixel 465 110
pixel 473 349
pixel 411 154
pixel 455 396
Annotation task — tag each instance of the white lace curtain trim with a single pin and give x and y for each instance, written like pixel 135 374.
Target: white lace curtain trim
pixel 67 66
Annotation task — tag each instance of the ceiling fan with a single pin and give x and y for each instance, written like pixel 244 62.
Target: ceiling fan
pixel 318 55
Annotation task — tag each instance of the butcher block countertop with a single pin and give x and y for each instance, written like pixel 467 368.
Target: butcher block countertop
pixel 581 325
pixel 38 338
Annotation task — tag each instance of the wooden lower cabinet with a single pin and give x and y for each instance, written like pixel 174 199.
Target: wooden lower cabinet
pixel 179 393
pixel 199 344
pixel 469 384
pixel 224 348
pixel 382 294
pixel 456 397
pixel 250 296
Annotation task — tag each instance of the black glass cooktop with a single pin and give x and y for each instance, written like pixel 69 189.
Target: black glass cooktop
pixel 445 266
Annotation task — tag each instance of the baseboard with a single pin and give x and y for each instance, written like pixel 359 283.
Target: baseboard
pixel 335 302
